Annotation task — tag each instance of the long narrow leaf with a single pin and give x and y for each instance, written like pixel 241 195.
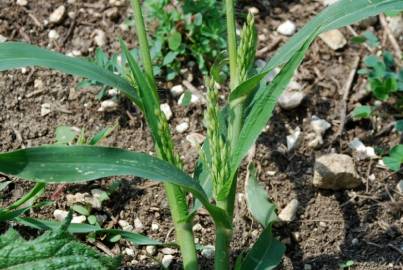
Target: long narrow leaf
pixel 17 54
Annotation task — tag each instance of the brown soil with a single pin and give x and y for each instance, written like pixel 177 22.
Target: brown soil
pixel 327 222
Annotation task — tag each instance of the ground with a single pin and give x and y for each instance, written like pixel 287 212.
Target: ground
pixel 364 225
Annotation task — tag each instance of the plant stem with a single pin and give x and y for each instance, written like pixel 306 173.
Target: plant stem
pixel 232 48
pixel 176 197
pixel 142 37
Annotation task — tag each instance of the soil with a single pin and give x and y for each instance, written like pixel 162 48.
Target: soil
pixel 364 225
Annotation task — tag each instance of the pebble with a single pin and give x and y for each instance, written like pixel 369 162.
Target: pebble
pixel 287 28
pixel 195 139
pixel 112 13
pixel 289 212
pixel 100 38
pixel 319 127
pixel 58 14
pixel 335 172
pixel 182 127
pixel 362 151
pixel 195 99
pixel 290 99
pixel 53 35
pixel 108 105
pixel 169 251
pixel 151 250
pixel 129 251
pixel 399 186
pixel 294 139
pixel 45 109
pixel 78 219
pixel 166 109
pixel 334 39
pixel 113 92
pixel 354 242
pixel 22 3
pixel 60 215
pixel 125 225
pixel 396 25
pixel 208 251
pixel 155 227
pixel 138 225
pixel 167 260
pixel 117 3
pixel 38 83
pixel 177 90
pixel 2 39
pixel 76 198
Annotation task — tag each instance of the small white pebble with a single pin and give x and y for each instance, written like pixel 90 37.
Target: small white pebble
pixel 169 251
pixel 100 38
pixel 400 186
pixel 60 215
pixel 125 225
pixel 197 227
pixel 167 260
pixel 195 139
pixel 108 105
pixel 53 35
pixel 289 212
pixel 208 251
pixel 177 90
pixel 155 227
pixel 253 10
pixel 182 127
pixel 22 3
pixel 129 252
pixel 152 250
pixel 287 28
pixel 166 109
pixel 78 219
pixel 45 109
pixel 354 242
pixel 2 39
pixel 57 15
pixel 138 225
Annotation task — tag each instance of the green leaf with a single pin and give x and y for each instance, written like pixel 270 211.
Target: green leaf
pixel 169 58
pixel 65 135
pixel 371 39
pixel 30 197
pixel 265 254
pixel 361 112
pixel 52 250
pixel 81 209
pixel 397 152
pixel 395 158
pixel 256 197
pixel 17 55
pixel 174 40
pixel 102 134
pixel 398 126
pixel 187 97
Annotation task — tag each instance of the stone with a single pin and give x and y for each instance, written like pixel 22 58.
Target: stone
pixel 38 84
pixel 253 10
pixel 99 37
pixel 2 39
pixel 399 186
pixel 113 92
pixel 307 267
pixel 125 225
pixel 166 109
pixel 117 3
pixel 129 252
pixel 287 28
pixel 177 90
pixel 46 108
pixel 396 25
pixel 151 250
pixel 182 127
pixel 78 219
pixel 169 251
pixel 60 215
pixel 208 251
pixel 319 127
pixel 290 99
pixel 155 227
pixel 112 13
pixel 108 105
pixel 294 140
pixel 53 35
pixel 334 39
pixel 362 151
pixel 289 212
pixel 22 3
pixel 167 260
pixel 335 172
pixel 58 14
pixel 138 225
pixel 197 227
pixel 195 139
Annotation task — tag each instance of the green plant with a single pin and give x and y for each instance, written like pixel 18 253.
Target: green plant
pixel 231 130
pixel 395 158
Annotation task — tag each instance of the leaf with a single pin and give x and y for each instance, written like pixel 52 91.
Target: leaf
pixel 52 250
pixel 65 135
pixel 17 55
pixel 395 158
pixel 398 126
pixel 82 210
pixel 361 112
pixel 174 40
pixel 265 254
pixel 256 197
pixel 76 228
pixel 102 134
pixel 187 98
pixel 30 197
pixel 169 58
pixel 371 39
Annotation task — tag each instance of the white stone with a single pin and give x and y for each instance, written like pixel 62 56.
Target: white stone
pixel 335 172
pixel 396 25
pixel 253 10
pixel 155 227
pixel 2 39
pixel 113 92
pixel 100 38
pixel 208 251
pixel 362 151
pixel 169 251
pixel 138 225
pixel 38 84
pixel 53 35
pixel 290 99
pixel 289 212
pixel 58 14
pixel 166 110
pixel 125 225
pixel 45 109
pixel 108 105
pixel 167 260
pixel 399 186
pixel 287 28
pixel 129 251
pixel 319 127
pixel 197 227
pixel 60 215
pixel 177 90
pixel 77 198
pixel 78 219
pixel 195 139
pixel 194 99
pixel 294 139
pixel 334 39
pixel 182 127
pixel 152 250
pixel 22 2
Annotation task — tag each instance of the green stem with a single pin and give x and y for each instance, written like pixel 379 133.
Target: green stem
pixel 176 197
pixel 38 188
pixel 232 47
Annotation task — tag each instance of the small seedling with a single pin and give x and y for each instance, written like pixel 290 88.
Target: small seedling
pixel 361 112
pixel 395 158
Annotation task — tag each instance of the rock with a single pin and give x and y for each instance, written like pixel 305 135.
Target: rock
pixel 169 251
pixel 22 3
pixel 195 139
pixel 362 151
pixel 38 84
pixel 182 127
pixel 290 99
pixel 113 92
pixel 197 227
pixel 399 186
pixel 78 219
pixel 108 105
pixel 166 109
pixel 167 260
pixel 53 35
pixel 253 10
pixel 195 99
pixel 396 25
pixel 151 250
pixel 289 212
pixel 138 225
pixel 58 14
pixel 334 39
pixel 354 242
pixel 2 39
pixel 112 13
pixel 60 215
pixel 335 172
pixel 125 225
pixel 287 28
pixel 294 140
pixel 208 251
pixel 177 90
pixel 45 109
pixel 319 127
pixel 100 38
pixel 155 227
pixel 77 198
pixel 129 252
